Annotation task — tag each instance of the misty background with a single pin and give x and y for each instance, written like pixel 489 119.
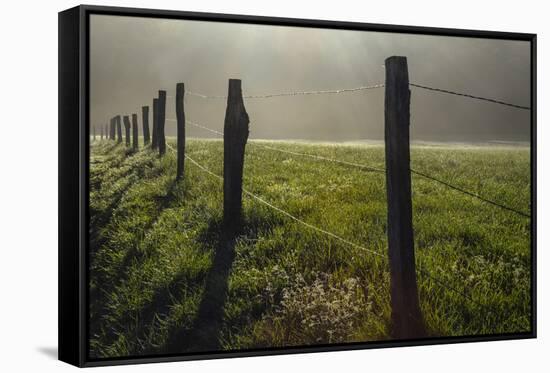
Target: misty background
pixel 132 58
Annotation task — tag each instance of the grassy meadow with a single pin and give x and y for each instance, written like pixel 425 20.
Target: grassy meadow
pixel 160 271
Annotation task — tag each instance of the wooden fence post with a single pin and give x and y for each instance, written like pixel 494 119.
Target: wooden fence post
pixel 155 140
pixel 94 132
pixel 145 119
pixel 161 112
pixel 180 116
pixel 406 315
pixel 112 129
pixel 118 121
pixel 127 129
pixel 235 135
pixel 135 145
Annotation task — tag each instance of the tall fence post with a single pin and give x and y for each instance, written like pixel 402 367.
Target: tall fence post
pixel 155 139
pixel 406 315
pixel 118 121
pixel 235 135
pixel 127 129
pixel 180 116
pixel 135 145
pixel 112 129
pixel 161 112
pixel 145 119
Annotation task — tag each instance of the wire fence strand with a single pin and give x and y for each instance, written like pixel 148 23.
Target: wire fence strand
pixel 420 268
pixel 469 96
pixel 286 213
pixel 355 89
pixel 319 157
pixel 471 194
pixel 198 126
pixel 376 169
pixel 294 93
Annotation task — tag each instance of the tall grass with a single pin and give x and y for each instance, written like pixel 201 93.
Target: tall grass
pixel 154 242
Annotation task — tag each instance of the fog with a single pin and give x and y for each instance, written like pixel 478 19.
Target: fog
pixel 132 58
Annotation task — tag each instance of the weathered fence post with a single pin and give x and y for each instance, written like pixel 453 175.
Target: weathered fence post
pixel 235 135
pixel 94 132
pixel 180 116
pixel 127 129
pixel 118 121
pixel 112 129
pixel 155 139
pixel 145 119
pixel 406 315
pixel 161 112
pixel 135 145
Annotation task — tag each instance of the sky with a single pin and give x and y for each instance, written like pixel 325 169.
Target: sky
pixel 131 58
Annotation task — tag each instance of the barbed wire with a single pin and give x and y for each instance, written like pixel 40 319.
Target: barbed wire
pixel 198 126
pixel 361 88
pixel 375 169
pixel 368 168
pixel 321 92
pixel 471 194
pixel 420 267
pixel 294 93
pixel 469 96
pixel 362 166
pixel 191 93
pixel 286 213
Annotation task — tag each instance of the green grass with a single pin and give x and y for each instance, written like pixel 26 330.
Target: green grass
pixel 154 243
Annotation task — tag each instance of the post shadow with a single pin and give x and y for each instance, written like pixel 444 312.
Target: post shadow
pixel 204 334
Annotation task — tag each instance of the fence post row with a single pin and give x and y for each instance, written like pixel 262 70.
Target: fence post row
pixel 118 121
pixel 135 145
pixel 406 315
pixel 235 135
pixel 127 129
pixel 155 141
pixel 161 112
pixel 180 116
pixel 145 119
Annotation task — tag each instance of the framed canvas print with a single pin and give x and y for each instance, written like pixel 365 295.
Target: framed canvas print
pixel 239 186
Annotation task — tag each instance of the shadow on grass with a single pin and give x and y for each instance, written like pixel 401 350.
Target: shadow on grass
pixel 204 333
pixel 163 203
pixel 100 219
pixel 97 297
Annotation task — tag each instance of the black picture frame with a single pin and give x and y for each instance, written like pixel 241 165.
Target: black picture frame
pixel 74 189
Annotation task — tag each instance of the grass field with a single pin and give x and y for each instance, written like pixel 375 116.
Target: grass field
pixel 156 282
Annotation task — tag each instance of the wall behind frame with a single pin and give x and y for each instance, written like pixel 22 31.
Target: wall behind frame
pixel 28 262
